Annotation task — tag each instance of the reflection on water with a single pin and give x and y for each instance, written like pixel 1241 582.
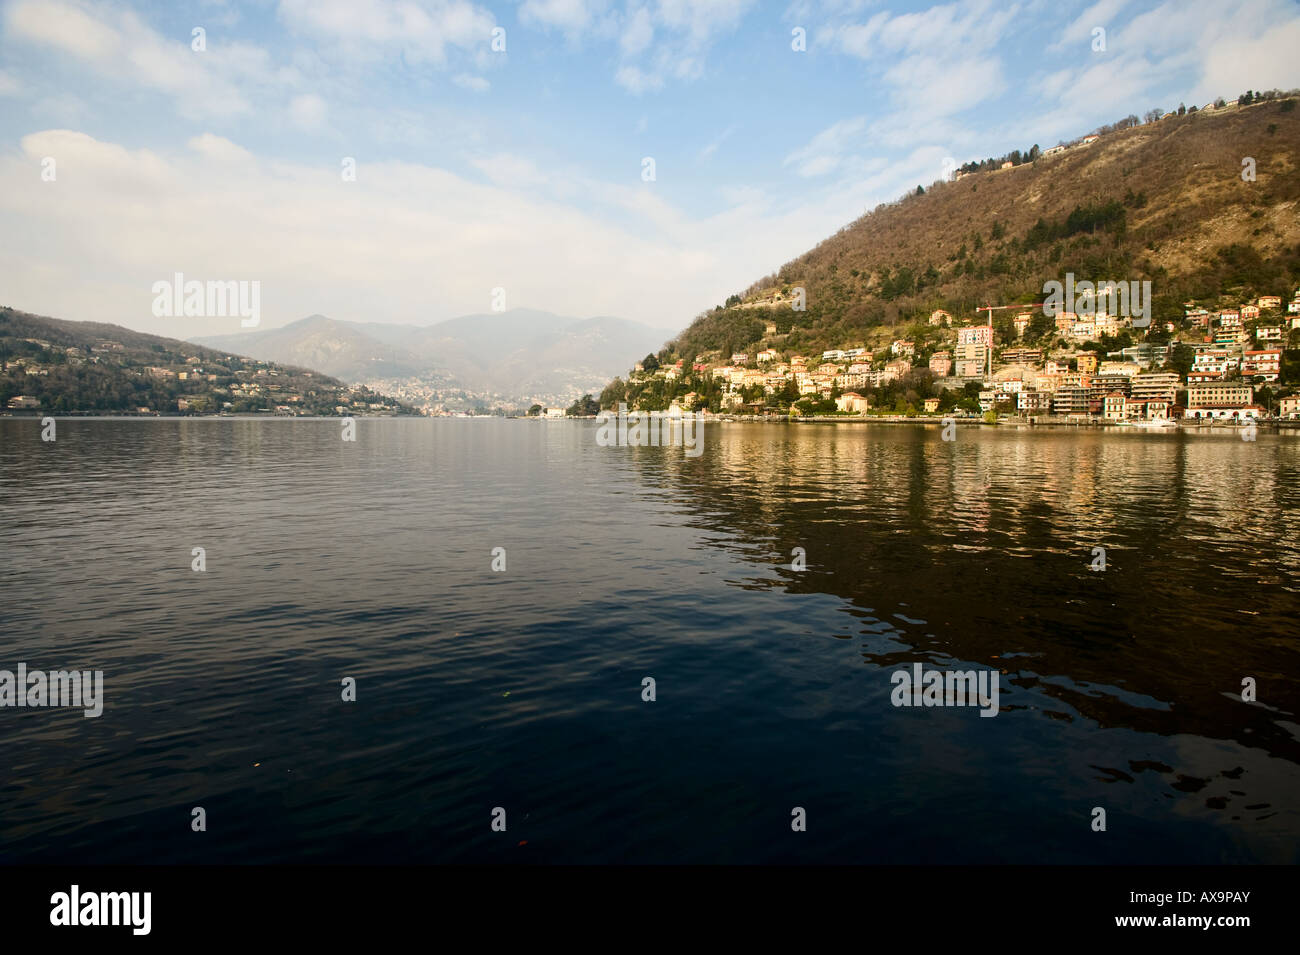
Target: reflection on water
pixel 522 689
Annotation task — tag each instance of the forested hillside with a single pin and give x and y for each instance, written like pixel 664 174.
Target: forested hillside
pixel 1204 204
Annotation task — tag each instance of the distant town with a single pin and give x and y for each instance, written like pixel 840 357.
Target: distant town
pixel 1221 364
pixel 49 366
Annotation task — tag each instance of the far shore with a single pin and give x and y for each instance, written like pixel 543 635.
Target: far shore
pixel 1019 423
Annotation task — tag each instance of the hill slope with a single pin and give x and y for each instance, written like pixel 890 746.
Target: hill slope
pixel 66 367
pixel 1164 202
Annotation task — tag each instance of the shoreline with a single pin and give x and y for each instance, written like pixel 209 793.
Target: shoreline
pixel 1017 423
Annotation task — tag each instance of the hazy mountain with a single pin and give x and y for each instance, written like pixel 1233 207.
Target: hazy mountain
pixel 520 353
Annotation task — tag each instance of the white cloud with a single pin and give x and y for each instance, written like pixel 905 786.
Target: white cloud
pixel 421 31
pixel 1078 37
pixel 508 170
pixel 573 17
pixel 637 33
pixel 63 26
pixel 960 29
pixel 404 242
pixel 937 87
pixel 9 84
pixel 636 80
pixel 657 42
pixel 469 81
pixel 1190 51
pixel 828 149
pixel 307 111
pixel 115 44
pixel 1226 46
pixel 941 60
pixel 218 148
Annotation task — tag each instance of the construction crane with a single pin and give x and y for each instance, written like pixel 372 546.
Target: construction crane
pixel 999 308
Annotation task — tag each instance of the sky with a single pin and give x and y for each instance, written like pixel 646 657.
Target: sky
pixel 133 148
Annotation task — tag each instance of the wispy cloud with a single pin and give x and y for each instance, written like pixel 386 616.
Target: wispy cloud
pixel 469 81
pixel 828 150
pixel 419 31
pixel 117 46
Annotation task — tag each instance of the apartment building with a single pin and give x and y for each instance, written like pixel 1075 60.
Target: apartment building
pixel 1155 386
pixel 1221 394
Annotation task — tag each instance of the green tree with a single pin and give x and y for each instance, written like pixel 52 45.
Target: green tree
pixel 586 405
pixel 613 393
pixel 1180 359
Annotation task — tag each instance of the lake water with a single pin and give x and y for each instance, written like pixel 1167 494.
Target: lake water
pixel 1120 689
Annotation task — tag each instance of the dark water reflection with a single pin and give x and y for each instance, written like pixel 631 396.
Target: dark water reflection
pixel 522 689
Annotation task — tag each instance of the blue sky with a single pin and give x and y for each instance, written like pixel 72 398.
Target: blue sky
pixel 479 169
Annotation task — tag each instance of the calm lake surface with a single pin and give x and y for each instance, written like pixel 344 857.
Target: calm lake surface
pixel 522 689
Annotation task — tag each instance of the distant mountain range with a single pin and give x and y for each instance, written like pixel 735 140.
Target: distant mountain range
pixel 521 354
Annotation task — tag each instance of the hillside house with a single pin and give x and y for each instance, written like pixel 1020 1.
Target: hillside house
pixel 1265 364
pixel 1034 402
pixel 975 335
pixel 852 402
